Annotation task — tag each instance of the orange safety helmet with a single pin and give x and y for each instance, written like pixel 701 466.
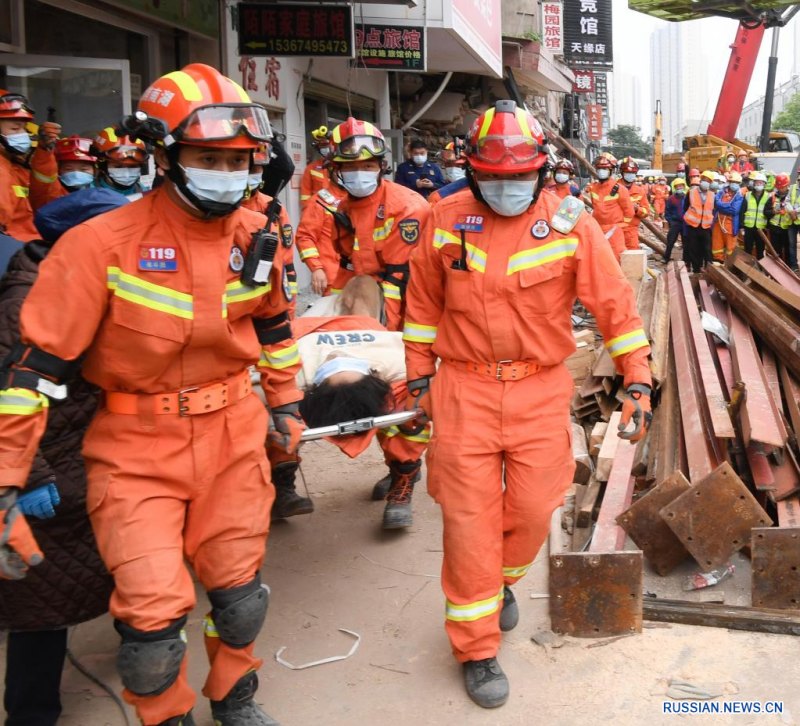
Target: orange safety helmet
pixel 199 106
pixel 566 165
pixel 628 165
pixel 15 105
pixel 605 161
pixel 453 153
pixel 782 181
pixel 355 140
pixel 506 140
pixel 111 145
pixel 261 155
pixel 74 148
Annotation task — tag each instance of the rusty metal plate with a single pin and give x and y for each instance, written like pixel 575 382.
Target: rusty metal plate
pixel 595 595
pixel 776 568
pixel 643 524
pixel 714 518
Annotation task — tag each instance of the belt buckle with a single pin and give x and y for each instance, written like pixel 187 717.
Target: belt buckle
pixel 498 374
pixel 183 398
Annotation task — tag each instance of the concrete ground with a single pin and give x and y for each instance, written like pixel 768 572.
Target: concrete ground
pixel 337 569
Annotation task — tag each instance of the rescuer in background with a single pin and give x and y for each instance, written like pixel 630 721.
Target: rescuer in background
pixel 639 199
pixel 779 212
pixel 315 175
pixel 698 218
pixel 673 213
pixel 611 203
pixel 561 184
pixel 417 173
pixel 754 214
pixel 794 201
pixel 120 162
pixel 728 207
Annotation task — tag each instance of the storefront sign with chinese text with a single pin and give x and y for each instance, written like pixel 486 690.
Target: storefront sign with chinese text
pixel 390 47
pixel 587 33
pixel 553 26
pixel 584 82
pixel 284 30
pixel 594 117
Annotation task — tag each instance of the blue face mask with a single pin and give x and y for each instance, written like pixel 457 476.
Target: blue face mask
pixel 680 192
pixel 21 142
pixel 340 364
pixel 76 179
pixel 734 186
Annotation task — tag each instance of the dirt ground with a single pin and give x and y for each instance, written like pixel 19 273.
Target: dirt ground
pixel 337 569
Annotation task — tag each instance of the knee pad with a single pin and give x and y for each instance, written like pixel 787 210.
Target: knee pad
pixel 149 662
pixel 239 612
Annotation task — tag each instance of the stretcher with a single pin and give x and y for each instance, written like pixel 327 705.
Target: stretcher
pixel 358 425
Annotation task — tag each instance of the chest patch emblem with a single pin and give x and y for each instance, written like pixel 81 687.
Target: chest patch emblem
pixel 236 260
pixel 381 212
pixel 158 259
pixel 469 223
pixel 409 230
pixel 540 229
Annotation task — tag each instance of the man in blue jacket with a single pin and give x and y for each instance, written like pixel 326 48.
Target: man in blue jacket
pixel 418 173
pixel 673 213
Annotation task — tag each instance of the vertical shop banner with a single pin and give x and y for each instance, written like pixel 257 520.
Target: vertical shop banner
pixel 594 117
pixel 584 82
pixel 601 90
pixel 285 30
pixel 479 23
pixel 390 47
pixel 553 26
pixel 587 33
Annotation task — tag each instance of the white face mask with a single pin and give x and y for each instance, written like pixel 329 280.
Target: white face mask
pixel 630 178
pixel 254 181
pixel 341 364
pixel 704 185
pixel 76 179
pixel 419 159
pixel 325 152
pixel 125 176
pixel 603 174
pixel 758 187
pixel 20 142
pixel 222 187
pixel 507 197
pixel 454 173
pixel 360 183
pixel 561 178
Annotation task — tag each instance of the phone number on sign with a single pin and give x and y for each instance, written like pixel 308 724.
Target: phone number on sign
pixel 278 45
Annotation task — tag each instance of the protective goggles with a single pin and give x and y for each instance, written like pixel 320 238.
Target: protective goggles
pixel 135 155
pixel 223 122
pixel 493 149
pixel 13 103
pixel 352 147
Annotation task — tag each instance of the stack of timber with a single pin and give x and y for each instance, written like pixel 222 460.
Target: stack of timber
pixel 718 471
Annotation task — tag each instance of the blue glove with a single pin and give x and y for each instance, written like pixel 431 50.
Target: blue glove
pixel 40 502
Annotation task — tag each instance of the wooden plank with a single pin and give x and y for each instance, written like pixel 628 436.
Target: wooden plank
pixel 780 292
pixel 782 274
pixel 668 448
pixel 645 302
pixel 580 452
pixel 609 536
pixel 772 383
pixel 596 437
pixel 604 365
pixel 659 331
pixel 584 517
pixel 608 449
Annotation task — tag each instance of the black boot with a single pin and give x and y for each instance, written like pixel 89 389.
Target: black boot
pixel 238 707
pixel 288 502
pixel 381 488
pixel 485 682
pixel 397 513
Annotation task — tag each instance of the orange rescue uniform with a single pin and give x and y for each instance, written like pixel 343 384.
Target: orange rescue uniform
pixel 660 194
pixel 315 177
pixel 723 240
pixel 315 233
pixel 388 226
pixel 148 293
pixel 45 184
pixel 560 190
pixel 641 209
pixel 16 215
pixel 613 209
pixel 500 399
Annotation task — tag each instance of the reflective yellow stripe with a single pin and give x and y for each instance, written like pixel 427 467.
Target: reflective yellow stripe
pixel 626 343
pixel 474 610
pixel 242 93
pixel 279 359
pixel 20 191
pixel 487 122
pixel 138 291
pixel 336 291
pixel 210 627
pixel 381 233
pixel 305 197
pixel 419 333
pixel 22 402
pixel 523 122
pixel 423 437
pixel 43 177
pixel 390 291
pixel 517 571
pixel 112 135
pixel 309 252
pixel 224 306
pixel 317 174
pixel 356 246
pixel 293 287
pixel 552 251
pixel 611 197
pixel 186 85
pixel 476 257
pixel 595 195
pixel 237 291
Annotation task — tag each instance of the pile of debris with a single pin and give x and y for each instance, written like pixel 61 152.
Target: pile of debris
pixel 718 467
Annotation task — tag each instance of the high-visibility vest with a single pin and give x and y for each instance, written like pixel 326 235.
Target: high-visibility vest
pixel 794 200
pixel 699 213
pixel 754 212
pixel 782 221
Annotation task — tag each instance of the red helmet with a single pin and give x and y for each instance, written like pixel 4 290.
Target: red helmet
pixel 566 165
pixel 782 181
pixel 200 107
pixel 605 161
pixel 74 148
pixel 15 105
pixel 108 146
pixel 694 172
pixel 629 165
pixel 681 167
pixel 355 140
pixel 453 153
pixel 506 140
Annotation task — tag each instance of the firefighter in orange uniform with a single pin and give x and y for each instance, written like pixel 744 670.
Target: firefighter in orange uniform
pixel 639 199
pixel 121 161
pixel 16 214
pixel 315 175
pixel 378 227
pixel 660 194
pixel 728 206
pixel 562 174
pixel 492 288
pixel 68 166
pixel 611 203
pixel 158 301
